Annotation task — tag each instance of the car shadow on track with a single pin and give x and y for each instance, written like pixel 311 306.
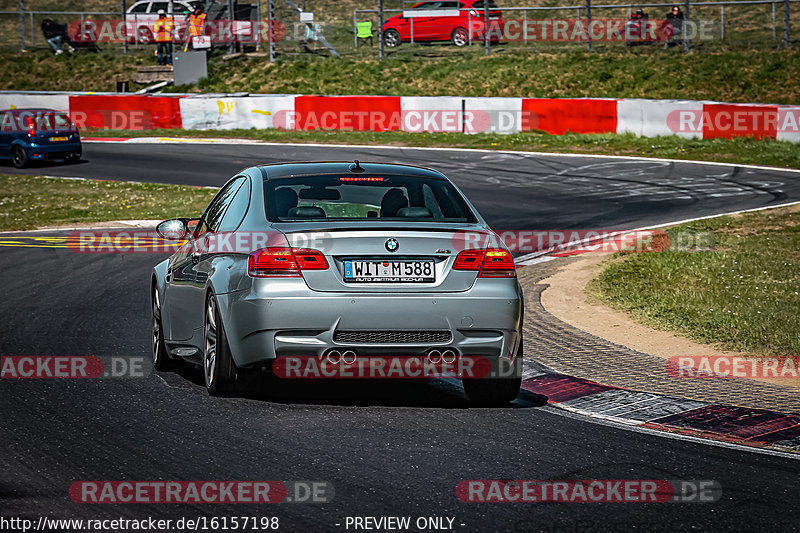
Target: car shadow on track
pixel 262 386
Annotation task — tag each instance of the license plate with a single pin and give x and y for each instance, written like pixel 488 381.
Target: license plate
pixel 389 271
pixel 58 139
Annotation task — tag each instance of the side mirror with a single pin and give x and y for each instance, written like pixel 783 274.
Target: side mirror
pixel 174 229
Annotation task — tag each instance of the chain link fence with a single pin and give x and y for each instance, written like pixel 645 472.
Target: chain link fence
pixel 127 25
pixel 310 29
pixel 705 26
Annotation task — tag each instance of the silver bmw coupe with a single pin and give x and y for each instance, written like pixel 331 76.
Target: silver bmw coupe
pixel 343 261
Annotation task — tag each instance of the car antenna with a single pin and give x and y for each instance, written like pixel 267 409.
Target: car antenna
pixel 356 167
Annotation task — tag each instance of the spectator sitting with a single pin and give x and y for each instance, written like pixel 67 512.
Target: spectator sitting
pixel 640 15
pixel 56 35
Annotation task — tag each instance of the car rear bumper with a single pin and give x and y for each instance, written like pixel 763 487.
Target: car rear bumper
pixel 54 151
pixel 485 320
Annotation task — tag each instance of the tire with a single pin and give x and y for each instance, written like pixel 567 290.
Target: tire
pixel 460 37
pixel 219 369
pixel 161 360
pixel 19 157
pixel 495 392
pixel 72 158
pixel 391 38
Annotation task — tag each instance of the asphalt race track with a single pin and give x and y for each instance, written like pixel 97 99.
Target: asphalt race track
pixel 511 190
pixel 388 449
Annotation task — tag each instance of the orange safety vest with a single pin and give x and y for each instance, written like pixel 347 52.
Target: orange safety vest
pixel 163 30
pixel 196 24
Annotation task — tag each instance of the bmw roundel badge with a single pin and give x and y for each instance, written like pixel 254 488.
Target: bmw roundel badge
pixel 392 245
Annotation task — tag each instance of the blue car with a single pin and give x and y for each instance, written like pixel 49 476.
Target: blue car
pixel 38 134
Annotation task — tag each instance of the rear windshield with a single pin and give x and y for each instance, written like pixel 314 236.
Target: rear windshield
pixel 17 120
pixel 362 197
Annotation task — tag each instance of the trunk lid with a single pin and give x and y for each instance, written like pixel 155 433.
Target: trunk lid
pixel 349 247
pixel 53 128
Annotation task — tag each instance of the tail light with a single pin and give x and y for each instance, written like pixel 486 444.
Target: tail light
pixel 491 263
pixel 469 260
pixel 31 126
pixel 310 259
pixel 498 263
pixel 284 262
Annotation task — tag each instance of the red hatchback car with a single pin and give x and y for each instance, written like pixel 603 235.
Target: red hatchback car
pixel 443 21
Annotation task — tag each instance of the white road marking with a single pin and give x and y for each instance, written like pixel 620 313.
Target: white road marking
pixel 177 140
pixel 524 259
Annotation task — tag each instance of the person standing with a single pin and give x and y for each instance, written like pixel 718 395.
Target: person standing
pixel 197 26
pixel 673 26
pixel 163 31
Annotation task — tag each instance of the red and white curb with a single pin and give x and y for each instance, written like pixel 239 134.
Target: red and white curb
pixel 417 114
pixel 758 428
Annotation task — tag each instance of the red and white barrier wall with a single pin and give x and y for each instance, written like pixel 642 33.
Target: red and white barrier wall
pixel 687 118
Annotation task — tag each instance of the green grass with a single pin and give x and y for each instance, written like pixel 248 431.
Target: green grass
pixel 768 76
pixel 744 294
pixel 42 71
pixel 782 154
pixel 28 202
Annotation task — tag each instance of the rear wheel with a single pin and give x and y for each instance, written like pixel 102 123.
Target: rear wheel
pixel 18 157
pixel 460 37
pixel 218 366
pixel 391 38
pixel 496 392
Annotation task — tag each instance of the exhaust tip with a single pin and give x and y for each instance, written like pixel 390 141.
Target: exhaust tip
pixel 434 356
pixel 333 357
pixel 349 357
pixel 449 356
